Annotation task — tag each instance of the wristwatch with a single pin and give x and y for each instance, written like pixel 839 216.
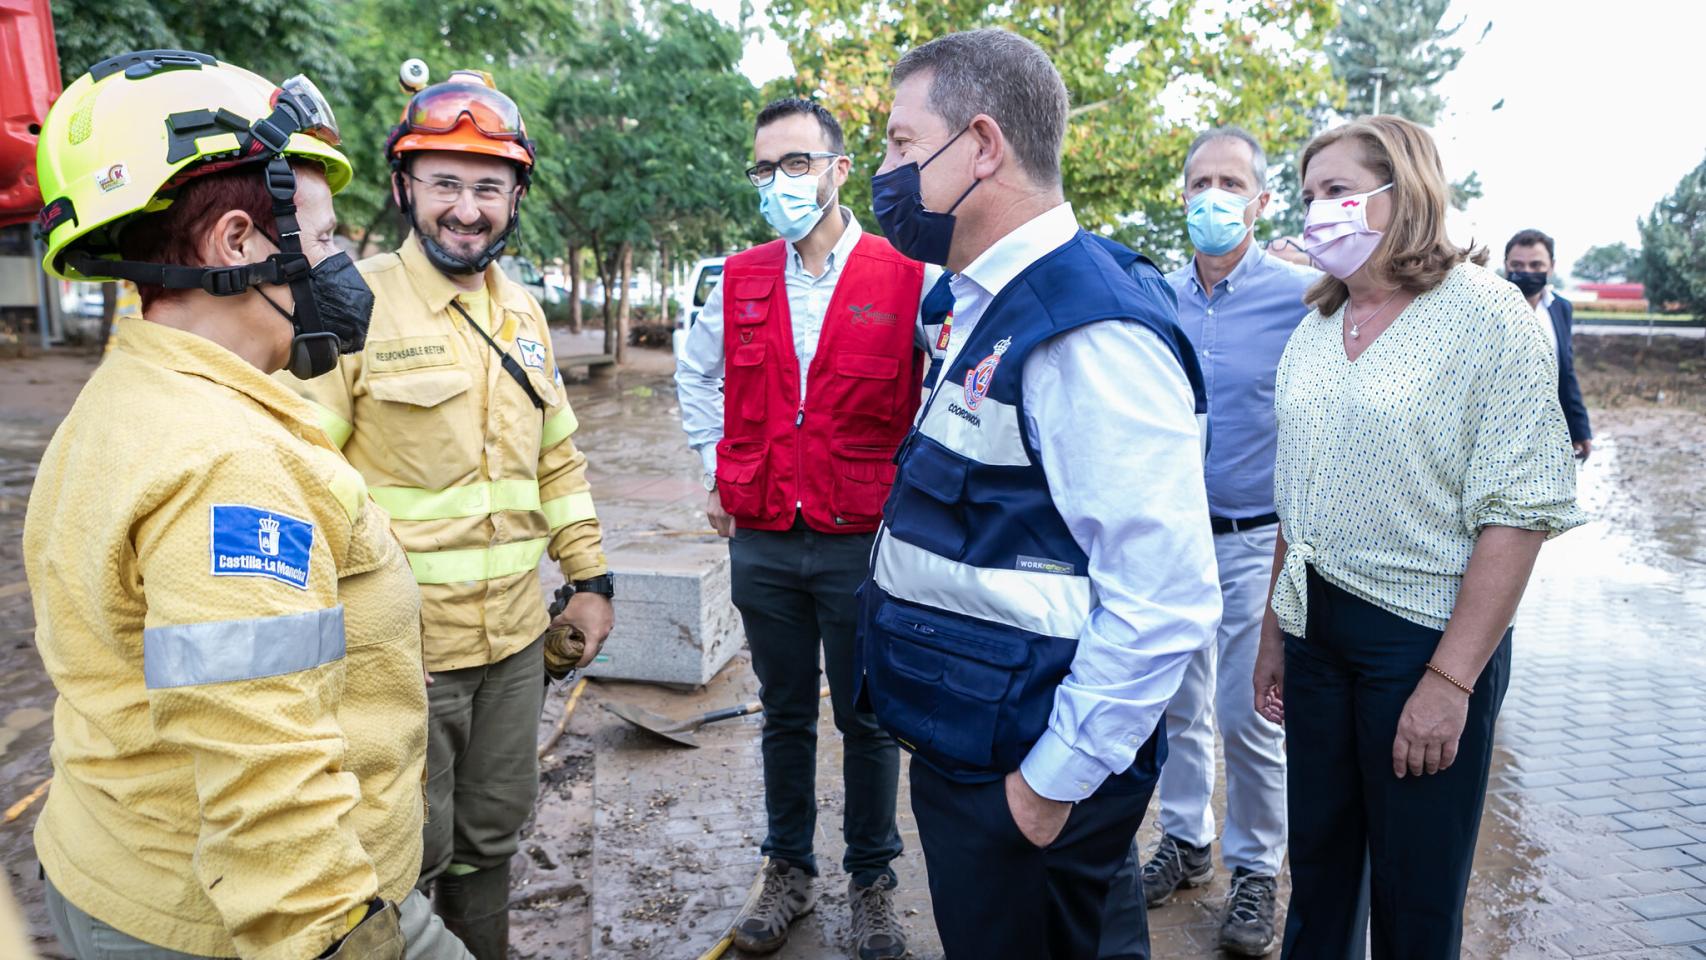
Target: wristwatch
pixel 604 585
pixel 709 482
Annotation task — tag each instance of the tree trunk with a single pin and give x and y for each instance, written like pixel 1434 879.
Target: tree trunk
pixel 664 316
pixel 607 308
pixel 622 314
pixel 574 291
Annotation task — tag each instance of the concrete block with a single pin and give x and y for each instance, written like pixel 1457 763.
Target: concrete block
pixel 674 620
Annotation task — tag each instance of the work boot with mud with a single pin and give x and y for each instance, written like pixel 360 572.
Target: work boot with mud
pixel 786 896
pixel 1176 864
pixel 1248 930
pixel 876 929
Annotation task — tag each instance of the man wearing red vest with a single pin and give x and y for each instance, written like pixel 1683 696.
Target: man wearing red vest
pixel 797 383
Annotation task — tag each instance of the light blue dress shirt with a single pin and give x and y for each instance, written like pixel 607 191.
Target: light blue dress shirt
pixel 1240 332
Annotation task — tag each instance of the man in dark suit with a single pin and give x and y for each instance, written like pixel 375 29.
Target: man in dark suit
pixel 1528 264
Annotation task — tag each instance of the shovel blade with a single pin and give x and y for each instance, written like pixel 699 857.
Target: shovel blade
pixel 653 723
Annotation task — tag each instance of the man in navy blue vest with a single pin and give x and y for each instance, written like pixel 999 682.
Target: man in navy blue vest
pixel 1045 569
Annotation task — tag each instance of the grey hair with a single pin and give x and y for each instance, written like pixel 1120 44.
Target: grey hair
pixel 1004 75
pixel 1258 159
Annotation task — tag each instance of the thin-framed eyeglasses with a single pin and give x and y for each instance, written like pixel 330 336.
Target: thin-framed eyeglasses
pixel 449 190
pixel 792 164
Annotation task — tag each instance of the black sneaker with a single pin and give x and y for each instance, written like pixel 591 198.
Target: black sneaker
pixel 1248 930
pixel 1176 864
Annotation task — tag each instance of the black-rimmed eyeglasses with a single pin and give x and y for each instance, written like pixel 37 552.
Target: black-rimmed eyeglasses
pixel 792 164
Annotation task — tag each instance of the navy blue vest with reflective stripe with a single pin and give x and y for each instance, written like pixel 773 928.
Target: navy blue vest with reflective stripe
pixel 979 592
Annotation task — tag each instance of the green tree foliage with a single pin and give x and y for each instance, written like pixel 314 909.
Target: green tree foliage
pixel 1673 247
pixel 665 175
pixel 1402 43
pixel 1609 263
pixel 642 135
pixel 1143 79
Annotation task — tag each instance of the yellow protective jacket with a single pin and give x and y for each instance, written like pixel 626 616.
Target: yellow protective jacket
pixel 240 733
pixel 479 482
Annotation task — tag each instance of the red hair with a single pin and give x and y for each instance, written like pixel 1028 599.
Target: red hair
pixel 170 236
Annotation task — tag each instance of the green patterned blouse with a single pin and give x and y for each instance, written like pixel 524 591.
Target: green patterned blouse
pixel 1389 466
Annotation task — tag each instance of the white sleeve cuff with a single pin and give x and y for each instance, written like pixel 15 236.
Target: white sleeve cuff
pixel 1057 771
pixel 708 457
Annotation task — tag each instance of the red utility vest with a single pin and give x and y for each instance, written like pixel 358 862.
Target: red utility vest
pixel 833 453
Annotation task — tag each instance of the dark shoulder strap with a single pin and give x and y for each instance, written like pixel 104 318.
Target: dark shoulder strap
pixel 510 366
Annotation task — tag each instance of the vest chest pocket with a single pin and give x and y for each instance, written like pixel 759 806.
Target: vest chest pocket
pixel 864 474
pixel 869 384
pixel 928 491
pixel 938 682
pixel 747 363
pixel 742 475
pixel 749 304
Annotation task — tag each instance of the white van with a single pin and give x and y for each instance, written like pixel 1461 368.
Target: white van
pixel 705 275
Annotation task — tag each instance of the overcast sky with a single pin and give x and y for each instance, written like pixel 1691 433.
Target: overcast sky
pixel 1602 112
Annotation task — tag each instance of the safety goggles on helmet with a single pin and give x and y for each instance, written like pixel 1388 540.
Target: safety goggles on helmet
pixel 441 108
pixel 308 106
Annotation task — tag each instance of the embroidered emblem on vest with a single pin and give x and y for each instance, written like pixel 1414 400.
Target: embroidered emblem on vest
pixel 980 377
pixel 867 316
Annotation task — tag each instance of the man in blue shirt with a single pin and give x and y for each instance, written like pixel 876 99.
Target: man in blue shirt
pixel 1238 305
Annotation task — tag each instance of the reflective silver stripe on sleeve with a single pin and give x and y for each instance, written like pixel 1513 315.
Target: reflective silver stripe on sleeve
pixel 221 651
pixel 1051 604
pixel 989 434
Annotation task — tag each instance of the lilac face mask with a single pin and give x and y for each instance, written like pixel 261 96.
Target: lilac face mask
pixel 1336 235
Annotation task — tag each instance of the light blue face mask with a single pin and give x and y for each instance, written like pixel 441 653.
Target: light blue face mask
pixel 789 205
pixel 1215 220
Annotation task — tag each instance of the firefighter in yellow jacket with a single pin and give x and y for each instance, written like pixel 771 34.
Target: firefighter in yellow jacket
pixel 240 731
pixel 456 416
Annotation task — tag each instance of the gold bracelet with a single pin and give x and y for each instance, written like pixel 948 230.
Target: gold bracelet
pixel 1451 679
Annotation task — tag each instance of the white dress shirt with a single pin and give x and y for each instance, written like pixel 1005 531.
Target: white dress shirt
pixel 1543 310
pixel 699 369
pixel 1112 417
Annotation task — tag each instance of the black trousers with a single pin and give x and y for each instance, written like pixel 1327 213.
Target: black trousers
pixel 995 894
pixel 1346 684
pixel 795 588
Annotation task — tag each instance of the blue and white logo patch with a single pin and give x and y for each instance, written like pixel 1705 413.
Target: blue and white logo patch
pixel 532 353
pixel 251 542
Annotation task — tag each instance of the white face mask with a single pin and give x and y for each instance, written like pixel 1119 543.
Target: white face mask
pixel 789 204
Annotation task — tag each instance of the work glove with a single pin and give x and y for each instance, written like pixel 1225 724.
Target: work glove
pixel 379 936
pixel 564 644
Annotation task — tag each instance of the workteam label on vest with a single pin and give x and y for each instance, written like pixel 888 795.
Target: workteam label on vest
pixel 252 542
pixel 409 353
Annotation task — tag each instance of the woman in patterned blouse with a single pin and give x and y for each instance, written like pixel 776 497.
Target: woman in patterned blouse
pixel 1422 461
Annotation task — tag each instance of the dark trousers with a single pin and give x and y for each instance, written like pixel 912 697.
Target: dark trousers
pixel 1125 926
pixel 794 588
pixel 1346 683
pixel 482 761
pixel 997 895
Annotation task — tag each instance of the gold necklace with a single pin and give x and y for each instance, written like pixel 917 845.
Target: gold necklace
pixel 1357 325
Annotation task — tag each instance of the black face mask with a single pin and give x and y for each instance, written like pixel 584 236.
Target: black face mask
pixel 341 302
pixel 1529 282
pixel 899 207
